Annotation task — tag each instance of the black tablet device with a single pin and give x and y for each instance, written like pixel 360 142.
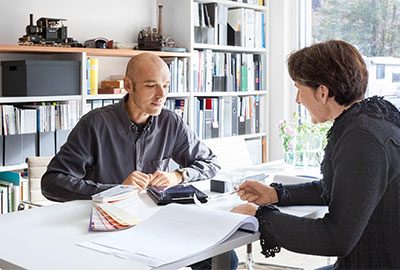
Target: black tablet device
pixel 176 194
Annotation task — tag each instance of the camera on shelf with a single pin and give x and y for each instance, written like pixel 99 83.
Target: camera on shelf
pixel 48 31
pixel 153 39
pixel 100 43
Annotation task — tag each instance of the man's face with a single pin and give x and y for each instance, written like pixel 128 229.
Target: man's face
pixel 149 89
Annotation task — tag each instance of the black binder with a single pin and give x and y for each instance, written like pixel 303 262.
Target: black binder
pixel 176 194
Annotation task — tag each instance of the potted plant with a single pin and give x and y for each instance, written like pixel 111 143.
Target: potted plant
pixel 303 142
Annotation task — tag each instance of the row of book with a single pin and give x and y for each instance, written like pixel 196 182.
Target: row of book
pixel 251 2
pixel 178 68
pixel 219 71
pixel 215 23
pixel 14 149
pixel 32 118
pixel 98 103
pixel 178 105
pixel 227 116
pixel 178 83
pixel 13 190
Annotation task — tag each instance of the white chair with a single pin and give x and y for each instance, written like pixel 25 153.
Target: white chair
pixel 233 154
pixel 37 166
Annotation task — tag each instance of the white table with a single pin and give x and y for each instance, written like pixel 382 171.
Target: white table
pixel 46 238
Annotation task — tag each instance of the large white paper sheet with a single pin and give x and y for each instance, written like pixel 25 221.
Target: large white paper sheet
pixel 174 233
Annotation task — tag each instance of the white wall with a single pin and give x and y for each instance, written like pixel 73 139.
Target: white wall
pixel 86 19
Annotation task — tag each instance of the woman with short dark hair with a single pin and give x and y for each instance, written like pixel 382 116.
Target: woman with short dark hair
pixel 361 168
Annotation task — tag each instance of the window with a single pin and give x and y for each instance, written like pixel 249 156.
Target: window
pixel 380 72
pixel 373 26
pixel 396 77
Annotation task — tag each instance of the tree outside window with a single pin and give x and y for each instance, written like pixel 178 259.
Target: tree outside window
pixel 373 26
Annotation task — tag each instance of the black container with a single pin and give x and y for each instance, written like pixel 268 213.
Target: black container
pixel 40 78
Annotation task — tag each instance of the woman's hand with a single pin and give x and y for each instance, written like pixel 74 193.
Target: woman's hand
pixel 246 209
pixel 257 192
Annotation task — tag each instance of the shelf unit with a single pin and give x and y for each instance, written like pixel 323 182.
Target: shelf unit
pixel 185 36
pixel 17 52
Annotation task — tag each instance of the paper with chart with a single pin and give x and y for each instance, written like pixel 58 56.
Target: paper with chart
pixel 163 238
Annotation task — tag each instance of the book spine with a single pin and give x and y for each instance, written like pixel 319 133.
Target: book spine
pixel 88 76
pixel 94 75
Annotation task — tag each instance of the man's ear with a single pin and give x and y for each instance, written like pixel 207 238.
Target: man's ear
pixel 128 84
pixel 323 93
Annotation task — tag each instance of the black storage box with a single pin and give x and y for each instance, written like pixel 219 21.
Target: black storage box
pixel 40 78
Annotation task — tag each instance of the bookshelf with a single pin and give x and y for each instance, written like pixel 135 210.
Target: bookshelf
pixel 16 52
pixel 113 62
pixel 217 47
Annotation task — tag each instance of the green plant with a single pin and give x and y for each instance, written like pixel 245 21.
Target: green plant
pixel 303 140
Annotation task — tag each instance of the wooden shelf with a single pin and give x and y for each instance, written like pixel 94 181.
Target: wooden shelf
pixel 120 96
pixel 13 167
pixel 38 99
pixel 228 48
pixel 229 94
pixel 88 51
pixel 233 4
pixel 105 96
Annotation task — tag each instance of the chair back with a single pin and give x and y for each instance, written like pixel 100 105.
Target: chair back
pixel 37 166
pixel 232 152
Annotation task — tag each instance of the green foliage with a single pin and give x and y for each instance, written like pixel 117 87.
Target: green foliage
pixel 301 135
pixel 372 25
pixel 302 141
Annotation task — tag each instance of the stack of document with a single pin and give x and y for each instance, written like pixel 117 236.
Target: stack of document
pixel 163 238
pixel 109 209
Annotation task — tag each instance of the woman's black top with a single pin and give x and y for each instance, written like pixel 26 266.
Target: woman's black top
pixel 360 185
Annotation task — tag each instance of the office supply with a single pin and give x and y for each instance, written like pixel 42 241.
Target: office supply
pixel 116 193
pixel 163 238
pixel 40 78
pixel 47 143
pixel 294 179
pixel 94 75
pixel 12 149
pixel 107 216
pixel 219 186
pixel 230 181
pixel 176 194
pixel 112 209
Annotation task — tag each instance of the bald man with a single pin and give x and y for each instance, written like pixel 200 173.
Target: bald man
pixel 132 142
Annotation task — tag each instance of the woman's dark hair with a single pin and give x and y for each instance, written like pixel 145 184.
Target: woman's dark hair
pixel 336 64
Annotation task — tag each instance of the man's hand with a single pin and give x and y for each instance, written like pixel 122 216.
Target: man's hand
pixel 138 179
pixel 257 192
pixel 247 209
pixel 165 178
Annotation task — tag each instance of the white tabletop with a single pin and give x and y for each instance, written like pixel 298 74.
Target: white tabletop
pixel 46 237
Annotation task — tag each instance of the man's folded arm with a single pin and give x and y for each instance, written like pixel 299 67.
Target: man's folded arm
pixel 64 178
pixel 194 156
